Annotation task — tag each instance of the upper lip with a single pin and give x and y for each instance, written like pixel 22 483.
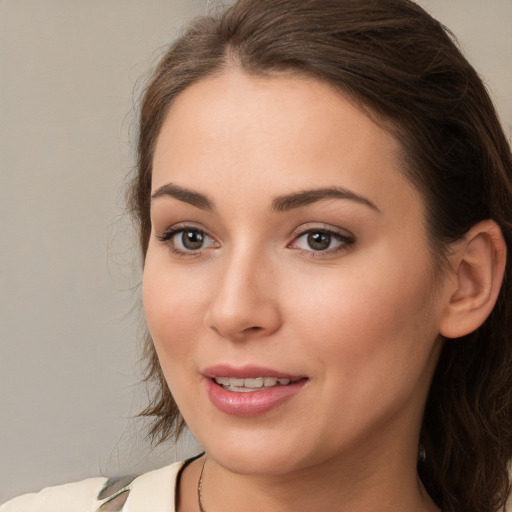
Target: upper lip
pixel 247 372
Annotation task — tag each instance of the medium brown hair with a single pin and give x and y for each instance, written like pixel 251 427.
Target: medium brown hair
pixel 398 63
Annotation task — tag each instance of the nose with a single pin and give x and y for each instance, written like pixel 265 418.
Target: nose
pixel 244 305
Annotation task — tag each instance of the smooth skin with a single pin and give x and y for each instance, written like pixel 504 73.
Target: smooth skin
pixel 244 267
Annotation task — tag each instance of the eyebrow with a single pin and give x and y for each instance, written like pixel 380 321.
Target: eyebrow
pixel 185 195
pixel 303 198
pixel 281 203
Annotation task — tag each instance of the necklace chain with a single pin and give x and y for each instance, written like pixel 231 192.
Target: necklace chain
pixel 200 488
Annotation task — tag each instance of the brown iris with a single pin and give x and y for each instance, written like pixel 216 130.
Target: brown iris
pixel 319 241
pixel 192 239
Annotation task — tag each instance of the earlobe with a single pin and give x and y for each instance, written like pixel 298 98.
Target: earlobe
pixel 479 266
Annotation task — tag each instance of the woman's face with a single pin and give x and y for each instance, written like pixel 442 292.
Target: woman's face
pixel 288 284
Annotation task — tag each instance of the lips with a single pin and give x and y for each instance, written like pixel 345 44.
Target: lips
pixel 250 391
pixel 251 384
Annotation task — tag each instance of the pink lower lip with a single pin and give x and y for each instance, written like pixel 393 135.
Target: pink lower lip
pixel 252 403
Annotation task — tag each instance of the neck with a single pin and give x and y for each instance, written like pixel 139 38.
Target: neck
pixel 332 485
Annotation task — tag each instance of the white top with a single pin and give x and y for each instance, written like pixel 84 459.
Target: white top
pixel 154 491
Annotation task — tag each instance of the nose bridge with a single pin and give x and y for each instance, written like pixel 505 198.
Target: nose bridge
pixel 244 304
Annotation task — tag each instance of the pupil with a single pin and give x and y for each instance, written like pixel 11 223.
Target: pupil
pixel 192 240
pixel 319 241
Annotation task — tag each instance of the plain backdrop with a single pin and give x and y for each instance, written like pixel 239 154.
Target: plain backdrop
pixel 70 75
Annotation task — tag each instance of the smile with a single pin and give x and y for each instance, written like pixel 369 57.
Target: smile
pixel 250 395
pixel 250 385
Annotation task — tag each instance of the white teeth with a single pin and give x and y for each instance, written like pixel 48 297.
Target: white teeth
pixel 253 384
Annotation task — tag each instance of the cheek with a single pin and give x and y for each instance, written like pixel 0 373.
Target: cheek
pixel 371 339
pixel 173 306
pixel 372 316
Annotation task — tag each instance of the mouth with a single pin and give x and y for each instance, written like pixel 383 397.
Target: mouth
pixel 250 385
pixel 250 390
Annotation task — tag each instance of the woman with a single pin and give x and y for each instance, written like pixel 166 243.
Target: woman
pixel 324 199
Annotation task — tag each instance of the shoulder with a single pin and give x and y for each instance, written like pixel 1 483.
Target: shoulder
pixel 155 489
pixel 82 494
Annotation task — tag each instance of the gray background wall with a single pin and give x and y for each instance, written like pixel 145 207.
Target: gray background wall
pixel 68 269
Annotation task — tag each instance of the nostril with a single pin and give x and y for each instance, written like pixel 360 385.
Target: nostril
pixel 240 319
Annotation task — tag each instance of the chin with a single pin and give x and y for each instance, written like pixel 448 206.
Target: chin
pixel 254 462
pixel 257 452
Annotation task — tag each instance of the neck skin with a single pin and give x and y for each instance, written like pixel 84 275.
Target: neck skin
pixel 377 475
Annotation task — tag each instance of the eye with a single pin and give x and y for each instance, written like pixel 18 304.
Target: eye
pixel 322 241
pixel 319 241
pixel 191 240
pixel 187 240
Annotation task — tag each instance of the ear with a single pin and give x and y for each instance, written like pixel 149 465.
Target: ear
pixel 478 264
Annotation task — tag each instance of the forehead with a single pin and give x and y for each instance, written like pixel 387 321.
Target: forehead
pixel 270 134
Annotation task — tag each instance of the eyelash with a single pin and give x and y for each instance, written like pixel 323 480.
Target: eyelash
pixel 167 239
pixel 345 241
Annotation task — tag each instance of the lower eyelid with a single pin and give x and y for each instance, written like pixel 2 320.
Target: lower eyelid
pixel 345 242
pixel 166 238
